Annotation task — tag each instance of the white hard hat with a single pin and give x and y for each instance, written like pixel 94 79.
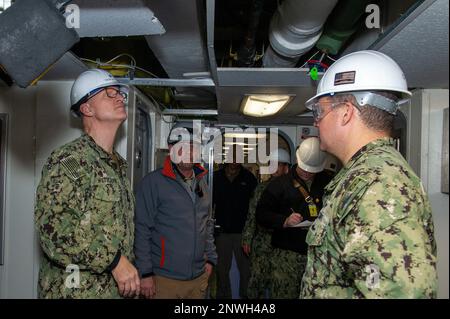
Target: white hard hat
pixel 90 81
pixel 310 157
pixel 280 155
pixel 362 71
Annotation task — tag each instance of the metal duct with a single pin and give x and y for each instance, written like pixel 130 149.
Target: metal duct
pixel 342 25
pixel 33 36
pixel 182 50
pixel 295 28
pixel 106 18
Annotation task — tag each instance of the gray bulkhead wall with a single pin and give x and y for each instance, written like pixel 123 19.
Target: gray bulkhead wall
pixel 425 122
pixel 17 272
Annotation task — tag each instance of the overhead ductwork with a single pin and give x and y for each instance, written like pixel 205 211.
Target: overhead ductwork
pixel 294 30
pixel 106 18
pixel 33 36
pixel 342 25
pixel 181 50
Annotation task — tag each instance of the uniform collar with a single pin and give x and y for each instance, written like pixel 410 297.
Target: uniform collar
pixel 86 138
pixel 296 177
pixel 382 142
pixel 168 170
pixel 385 141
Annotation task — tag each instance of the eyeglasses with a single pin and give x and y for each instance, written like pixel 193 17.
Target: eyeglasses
pixel 111 92
pixel 318 109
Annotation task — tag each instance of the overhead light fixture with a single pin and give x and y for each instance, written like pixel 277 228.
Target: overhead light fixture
pixel 240 143
pixel 244 135
pixel 261 105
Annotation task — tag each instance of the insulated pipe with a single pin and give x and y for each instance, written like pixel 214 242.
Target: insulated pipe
pixel 295 28
pixel 341 25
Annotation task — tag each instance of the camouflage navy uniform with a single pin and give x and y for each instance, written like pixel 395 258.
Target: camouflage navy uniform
pixel 280 198
pixel 84 216
pixel 288 268
pixel 258 238
pixel 374 235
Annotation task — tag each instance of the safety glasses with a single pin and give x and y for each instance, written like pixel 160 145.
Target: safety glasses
pixel 320 110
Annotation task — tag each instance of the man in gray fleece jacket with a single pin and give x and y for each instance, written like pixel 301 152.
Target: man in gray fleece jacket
pixel 174 241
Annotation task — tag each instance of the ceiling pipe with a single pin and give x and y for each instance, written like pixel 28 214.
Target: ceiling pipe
pixel 342 24
pixel 294 30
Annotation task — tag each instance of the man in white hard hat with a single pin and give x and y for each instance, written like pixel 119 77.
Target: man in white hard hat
pixel 174 245
pixel 84 203
pixel 256 239
pixel 374 237
pixel 289 204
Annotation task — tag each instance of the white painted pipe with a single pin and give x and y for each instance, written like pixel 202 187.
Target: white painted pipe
pixel 295 28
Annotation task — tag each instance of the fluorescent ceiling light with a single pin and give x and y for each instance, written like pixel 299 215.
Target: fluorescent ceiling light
pixel 264 105
pixel 245 135
pixel 226 149
pixel 240 143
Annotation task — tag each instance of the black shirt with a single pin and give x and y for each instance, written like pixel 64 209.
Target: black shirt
pixel 278 201
pixel 231 199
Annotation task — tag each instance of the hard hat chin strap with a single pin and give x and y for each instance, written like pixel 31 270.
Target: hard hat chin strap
pixel 376 100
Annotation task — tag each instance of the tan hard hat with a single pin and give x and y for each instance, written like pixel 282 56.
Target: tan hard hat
pixel 310 157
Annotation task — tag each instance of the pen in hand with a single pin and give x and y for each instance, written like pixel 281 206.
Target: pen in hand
pixel 293 219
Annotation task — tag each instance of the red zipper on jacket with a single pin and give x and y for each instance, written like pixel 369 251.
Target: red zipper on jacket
pixel 163 257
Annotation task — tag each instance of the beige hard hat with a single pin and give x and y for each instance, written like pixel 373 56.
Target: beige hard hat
pixel 310 157
pixel 280 155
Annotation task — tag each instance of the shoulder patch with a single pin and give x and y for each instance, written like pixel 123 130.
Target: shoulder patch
pixel 72 167
pixel 357 183
pixel 352 193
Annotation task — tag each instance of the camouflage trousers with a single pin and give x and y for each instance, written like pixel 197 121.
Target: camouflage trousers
pixel 260 273
pixel 287 272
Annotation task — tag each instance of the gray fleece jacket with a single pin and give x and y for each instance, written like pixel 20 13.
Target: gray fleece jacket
pixel 173 226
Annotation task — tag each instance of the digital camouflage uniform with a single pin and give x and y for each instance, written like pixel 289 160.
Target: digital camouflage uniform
pixel 374 235
pixel 261 250
pixel 84 216
pixel 288 268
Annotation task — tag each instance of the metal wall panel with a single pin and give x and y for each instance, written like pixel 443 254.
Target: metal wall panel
pixel 3 148
pixel 444 170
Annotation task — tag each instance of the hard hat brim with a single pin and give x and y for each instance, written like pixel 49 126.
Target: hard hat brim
pixel 75 108
pixel 404 94
pixel 311 169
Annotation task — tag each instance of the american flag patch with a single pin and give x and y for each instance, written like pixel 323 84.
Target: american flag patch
pixel 344 78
